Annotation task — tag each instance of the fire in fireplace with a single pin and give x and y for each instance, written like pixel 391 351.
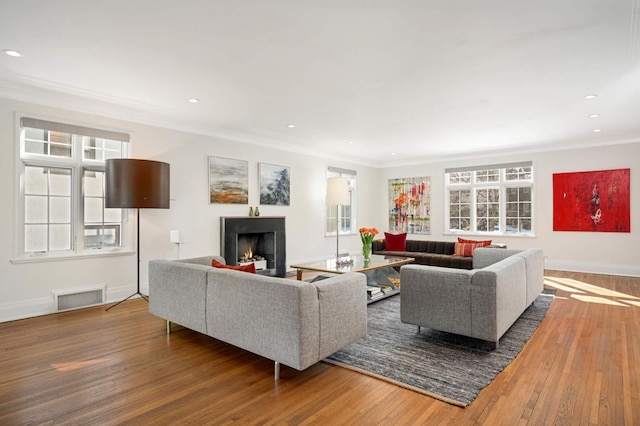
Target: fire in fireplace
pixel 252 244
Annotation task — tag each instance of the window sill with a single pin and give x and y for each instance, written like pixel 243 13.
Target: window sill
pixel 346 234
pixel 88 254
pixel 488 235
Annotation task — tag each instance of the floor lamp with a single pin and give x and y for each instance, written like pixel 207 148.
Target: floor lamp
pixel 139 184
pixel 338 195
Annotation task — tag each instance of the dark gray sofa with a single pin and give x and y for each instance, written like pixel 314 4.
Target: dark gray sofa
pixel 432 253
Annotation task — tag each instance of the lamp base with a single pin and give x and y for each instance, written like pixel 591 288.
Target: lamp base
pixel 124 300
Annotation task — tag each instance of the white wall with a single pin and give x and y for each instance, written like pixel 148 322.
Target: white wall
pixel 26 288
pixel 598 252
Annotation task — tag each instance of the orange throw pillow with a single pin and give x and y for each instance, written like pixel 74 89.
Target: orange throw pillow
pixel 466 249
pixel 251 268
pixel 484 242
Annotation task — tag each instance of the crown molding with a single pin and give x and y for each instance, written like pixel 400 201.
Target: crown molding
pixel 74 99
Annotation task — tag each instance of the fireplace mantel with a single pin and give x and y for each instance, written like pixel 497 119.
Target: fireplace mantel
pixel 269 233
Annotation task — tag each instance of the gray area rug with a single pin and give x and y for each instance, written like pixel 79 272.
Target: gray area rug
pixel 445 366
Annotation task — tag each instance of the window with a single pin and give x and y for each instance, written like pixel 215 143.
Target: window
pixel 61 169
pixel 496 199
pixel 346 214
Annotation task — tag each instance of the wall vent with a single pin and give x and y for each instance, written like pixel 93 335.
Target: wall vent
pixel 77 298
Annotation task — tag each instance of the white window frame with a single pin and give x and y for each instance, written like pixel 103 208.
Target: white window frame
pixel 502 184
pixel 78 165
pixel 330 212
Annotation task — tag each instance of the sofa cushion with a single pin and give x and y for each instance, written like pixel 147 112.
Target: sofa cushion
pixel 466 249
pixel 395 242
pixel 251 268
pixel 435 247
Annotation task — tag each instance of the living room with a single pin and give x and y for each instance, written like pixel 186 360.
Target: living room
pixel 24 292
pixel 29 281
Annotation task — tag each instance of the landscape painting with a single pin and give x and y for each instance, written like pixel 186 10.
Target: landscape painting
pixel 595 201
pixel 274 185
pixel 228 181
pixel 410 205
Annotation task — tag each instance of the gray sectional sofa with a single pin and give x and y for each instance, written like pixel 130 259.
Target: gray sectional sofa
pixel 295 323
pixel 482 302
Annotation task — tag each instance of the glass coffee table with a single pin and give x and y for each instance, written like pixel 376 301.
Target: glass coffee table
pixel 382 279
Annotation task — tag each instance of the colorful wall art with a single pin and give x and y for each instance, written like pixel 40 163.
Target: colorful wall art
pixel 595 201
pixel 228 181
pixel 410 205
pixel 274 184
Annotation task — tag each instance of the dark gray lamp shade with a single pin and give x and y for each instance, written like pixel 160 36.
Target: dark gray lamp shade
pixel 131 183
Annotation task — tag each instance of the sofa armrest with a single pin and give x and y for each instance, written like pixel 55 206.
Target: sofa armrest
pixel 177 292
pixel 498 298
pixel 534 264
pixel 436 297
pixel 486 256
pixel 343 311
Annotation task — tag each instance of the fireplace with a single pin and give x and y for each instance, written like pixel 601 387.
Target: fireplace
pixel 260 240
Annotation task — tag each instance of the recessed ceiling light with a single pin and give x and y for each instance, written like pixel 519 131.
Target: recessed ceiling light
pixel 591 96
pixel 350 142
pixel 597 130
pixel 594 116
pixel 291 126
pixel 393 153
pixel 194 100
pixel 13 53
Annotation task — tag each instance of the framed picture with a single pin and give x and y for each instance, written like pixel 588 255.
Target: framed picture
pixel 274 184
pixel 595 201
pixel 228 181
pixel 410 205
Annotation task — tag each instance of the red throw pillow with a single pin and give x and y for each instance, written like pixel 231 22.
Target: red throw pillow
pixel 395 242
pixel 484 242
pixel 251 267
pixel 466 249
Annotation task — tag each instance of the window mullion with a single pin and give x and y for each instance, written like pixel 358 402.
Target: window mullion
pixel 79 209
pixel 503 207
pixel 473 208
pixel 48 210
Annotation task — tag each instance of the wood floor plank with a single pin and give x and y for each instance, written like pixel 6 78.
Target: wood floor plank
pixel 582 366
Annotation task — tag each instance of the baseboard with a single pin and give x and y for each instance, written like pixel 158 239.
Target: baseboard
pixel 22 309
pixel 116 294
pixel 592 268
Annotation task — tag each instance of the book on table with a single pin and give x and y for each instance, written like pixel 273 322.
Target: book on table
pixel 373 290
pixel 375 296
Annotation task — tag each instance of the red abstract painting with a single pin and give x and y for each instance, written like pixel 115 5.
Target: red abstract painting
pixel 592 201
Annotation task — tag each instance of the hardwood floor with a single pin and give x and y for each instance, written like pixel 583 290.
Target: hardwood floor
pixel 582 366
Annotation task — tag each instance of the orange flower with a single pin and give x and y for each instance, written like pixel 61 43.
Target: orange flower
pixel 367 234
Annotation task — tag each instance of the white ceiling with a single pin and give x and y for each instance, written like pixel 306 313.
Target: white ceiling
pixel 403 81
